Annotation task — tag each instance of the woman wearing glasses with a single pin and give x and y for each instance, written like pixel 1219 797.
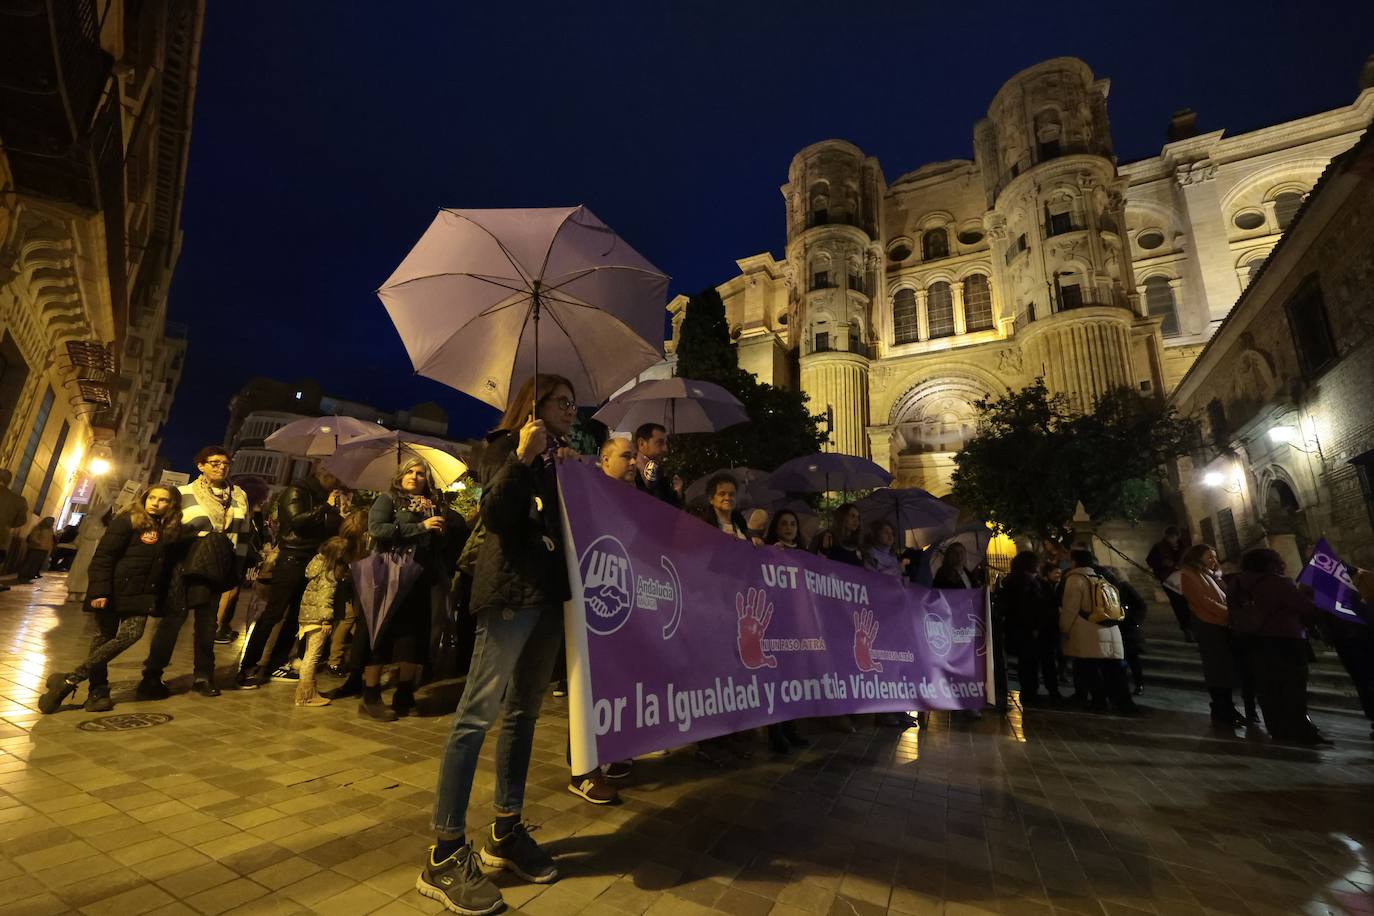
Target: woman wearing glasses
pixel 519 586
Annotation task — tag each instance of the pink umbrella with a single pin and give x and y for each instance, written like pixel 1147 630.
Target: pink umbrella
pixel 679 405
pixel 470 298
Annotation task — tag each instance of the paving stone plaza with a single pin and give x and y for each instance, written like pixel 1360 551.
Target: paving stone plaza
pixel 246 804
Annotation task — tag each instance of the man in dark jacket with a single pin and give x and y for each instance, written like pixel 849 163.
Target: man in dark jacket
pixel 307 516
pixel 1163 560
pixel 651 448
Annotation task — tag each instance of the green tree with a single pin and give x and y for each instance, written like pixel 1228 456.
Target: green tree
pixel 780 427
pixel 1034 458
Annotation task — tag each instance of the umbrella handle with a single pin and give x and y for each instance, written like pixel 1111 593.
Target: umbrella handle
pixel 535 315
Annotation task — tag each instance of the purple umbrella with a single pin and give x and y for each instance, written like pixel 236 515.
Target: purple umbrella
pixel 469 299
pixel 382 580
pixel 679 405
pixel 908 508
pixel 317 437
pixel 826 471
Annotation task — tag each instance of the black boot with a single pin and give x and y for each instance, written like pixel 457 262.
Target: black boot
pixel 373 706
pixel 60 686
pixel 98 699
pixel 1224 712
pixel 403 700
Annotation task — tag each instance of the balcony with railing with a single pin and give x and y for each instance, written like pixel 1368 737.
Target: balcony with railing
pixel 1047 153
pixel 823 344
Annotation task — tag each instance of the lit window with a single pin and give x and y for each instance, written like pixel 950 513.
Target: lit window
pixel 298 395
pixel 1159 298
pixel 940 307
pixel 904 316
pixel 977 303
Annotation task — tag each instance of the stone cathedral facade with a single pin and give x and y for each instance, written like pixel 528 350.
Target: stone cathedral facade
pixel 898 304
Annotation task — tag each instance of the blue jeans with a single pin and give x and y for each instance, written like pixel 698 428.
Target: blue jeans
pixel 512 662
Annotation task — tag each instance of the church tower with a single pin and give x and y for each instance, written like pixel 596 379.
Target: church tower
pixel 1057 217
pixel 834 195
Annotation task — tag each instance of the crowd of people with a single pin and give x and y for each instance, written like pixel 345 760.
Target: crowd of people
pixel 485 598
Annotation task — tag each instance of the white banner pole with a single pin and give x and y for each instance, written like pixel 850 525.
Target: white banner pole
pixel 581 720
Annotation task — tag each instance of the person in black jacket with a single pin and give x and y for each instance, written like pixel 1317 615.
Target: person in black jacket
pixel 1028 610
pixel 651 448
pixel 408 517
pixel 307 516
pixel 1132 626
pixel 128 581
pixel 519 585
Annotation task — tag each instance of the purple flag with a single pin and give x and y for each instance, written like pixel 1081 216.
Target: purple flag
pixel 1333 589
pixel 678 632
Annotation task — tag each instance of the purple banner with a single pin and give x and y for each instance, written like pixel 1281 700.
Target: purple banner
pixel 1332 588
pixel 678 632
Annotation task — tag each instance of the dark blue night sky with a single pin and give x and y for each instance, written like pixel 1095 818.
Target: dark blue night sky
pixel 327 134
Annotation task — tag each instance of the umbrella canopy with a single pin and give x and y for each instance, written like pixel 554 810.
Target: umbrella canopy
pixel 488 297
pixel 752 488
pixel 908 508
pixel 826 471
pixel 679 405
pixel 371 464
pixel 318 437
pixel 381 581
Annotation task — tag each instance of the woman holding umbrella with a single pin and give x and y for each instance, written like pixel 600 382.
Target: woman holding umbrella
pixel 409 518
pixel 519 586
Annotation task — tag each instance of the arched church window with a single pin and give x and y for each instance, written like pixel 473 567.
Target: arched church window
pixel 904 316
pixel 1159 299
pixel 940 306
pixel 977 303
pixel 934 244
pixel 1286 207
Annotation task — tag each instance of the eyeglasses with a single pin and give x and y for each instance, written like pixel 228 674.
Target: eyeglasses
pixel 217 464
pixel 563 403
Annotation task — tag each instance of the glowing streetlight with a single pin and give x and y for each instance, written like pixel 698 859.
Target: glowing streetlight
pixel 98 467
pixel 1213 479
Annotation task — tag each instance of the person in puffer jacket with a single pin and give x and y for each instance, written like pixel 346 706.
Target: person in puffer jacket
pixel 323 574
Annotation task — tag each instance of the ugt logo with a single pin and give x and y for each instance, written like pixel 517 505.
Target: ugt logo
pixel 606 589
pixel 938 635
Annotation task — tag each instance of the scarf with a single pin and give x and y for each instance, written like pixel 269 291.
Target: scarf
pixel 420 505
pixel 214 500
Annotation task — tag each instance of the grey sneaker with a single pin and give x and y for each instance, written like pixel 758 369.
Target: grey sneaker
pixel 459 884
pixel 518 852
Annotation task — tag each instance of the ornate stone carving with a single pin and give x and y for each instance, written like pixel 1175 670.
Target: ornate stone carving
pixel 1195 172
pixel 1009 361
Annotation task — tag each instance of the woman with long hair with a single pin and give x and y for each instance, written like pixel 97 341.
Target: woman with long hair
pixel 880 551
pixel 1211 626
pixel 352 529
pixel 520 582
pixel 128 582
pixel 846 539
pixel 408 517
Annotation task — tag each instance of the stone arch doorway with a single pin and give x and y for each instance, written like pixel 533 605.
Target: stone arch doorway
pixel 1285 522
pixel 930 424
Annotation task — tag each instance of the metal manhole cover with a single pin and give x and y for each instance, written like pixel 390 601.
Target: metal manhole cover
pixel 124 722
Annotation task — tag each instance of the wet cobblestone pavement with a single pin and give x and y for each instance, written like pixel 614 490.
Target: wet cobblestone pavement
pixel 246 804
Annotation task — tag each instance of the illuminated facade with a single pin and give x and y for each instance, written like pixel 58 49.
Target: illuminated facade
pixel 95 115
pixel 896 306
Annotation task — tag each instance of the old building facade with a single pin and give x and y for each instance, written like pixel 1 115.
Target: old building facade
pixel 95 115
pixel 897 306
pixel 1282 390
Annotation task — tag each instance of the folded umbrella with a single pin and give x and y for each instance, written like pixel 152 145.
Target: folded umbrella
pixel 827 471
pixel 488 298
pixel 679 405
pixel 371 464
pixel 382 581
pixel 318 437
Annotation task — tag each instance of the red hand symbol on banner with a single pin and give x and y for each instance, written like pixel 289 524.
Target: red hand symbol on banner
pixel 865 632
pixel 754 616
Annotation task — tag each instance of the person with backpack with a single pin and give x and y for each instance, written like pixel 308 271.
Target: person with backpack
pixel 1132 625
pixel 1090 618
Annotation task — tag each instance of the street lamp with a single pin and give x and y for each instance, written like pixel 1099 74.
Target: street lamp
pixel 98 467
